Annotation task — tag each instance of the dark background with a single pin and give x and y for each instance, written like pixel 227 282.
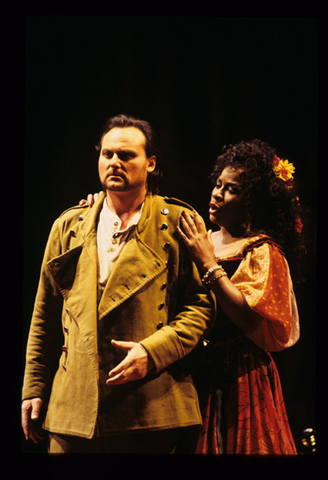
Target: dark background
pixel 202 82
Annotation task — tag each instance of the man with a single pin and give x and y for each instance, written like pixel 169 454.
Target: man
pixel 119 305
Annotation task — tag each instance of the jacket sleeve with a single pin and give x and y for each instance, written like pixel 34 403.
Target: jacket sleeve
pixel 194 316
pixel 45 335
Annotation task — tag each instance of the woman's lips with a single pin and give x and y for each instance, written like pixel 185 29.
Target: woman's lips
pixel 213 208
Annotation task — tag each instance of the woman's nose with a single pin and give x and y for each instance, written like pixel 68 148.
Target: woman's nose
pixel 218 193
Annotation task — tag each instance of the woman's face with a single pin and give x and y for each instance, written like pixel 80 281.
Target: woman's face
pixel 227 199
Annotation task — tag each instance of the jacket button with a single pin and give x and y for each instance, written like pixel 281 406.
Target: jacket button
pixel 72 233
pixel 159 325
pixel 64 349
pixel 165 211
pixel 163 287
pixel 161 306
pixel 65 329
pixel 80 218
pixel 167 245
pixel 164 226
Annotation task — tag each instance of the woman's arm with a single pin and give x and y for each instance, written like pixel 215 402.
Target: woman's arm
pixel 231 300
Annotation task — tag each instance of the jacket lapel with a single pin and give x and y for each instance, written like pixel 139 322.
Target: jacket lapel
pixel 137 265
pixel 75 271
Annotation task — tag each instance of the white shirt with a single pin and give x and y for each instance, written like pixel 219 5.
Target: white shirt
pixel 110 242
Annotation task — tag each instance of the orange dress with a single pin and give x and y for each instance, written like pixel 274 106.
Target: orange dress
pixel 239 387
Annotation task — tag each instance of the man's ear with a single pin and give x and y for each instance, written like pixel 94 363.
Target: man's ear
pixel 151 164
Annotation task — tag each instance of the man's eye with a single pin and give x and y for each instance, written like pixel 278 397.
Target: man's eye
pixel 124 156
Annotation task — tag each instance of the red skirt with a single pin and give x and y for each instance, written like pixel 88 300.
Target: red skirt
pixel 245 413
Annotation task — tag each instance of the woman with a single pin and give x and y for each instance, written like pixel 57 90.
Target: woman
pixel 254 204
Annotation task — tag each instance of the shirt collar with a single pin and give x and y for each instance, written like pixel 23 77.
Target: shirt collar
pixel 112 220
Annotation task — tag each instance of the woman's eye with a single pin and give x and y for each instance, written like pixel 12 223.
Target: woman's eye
pixel 235 189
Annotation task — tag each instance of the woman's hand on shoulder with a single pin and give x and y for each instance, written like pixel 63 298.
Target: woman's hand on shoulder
pixel 197 239
pixel 91 199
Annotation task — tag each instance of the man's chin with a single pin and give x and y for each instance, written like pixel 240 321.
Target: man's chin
pixel 116 186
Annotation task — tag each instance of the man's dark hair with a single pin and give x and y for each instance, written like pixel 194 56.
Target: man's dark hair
pixel 124 121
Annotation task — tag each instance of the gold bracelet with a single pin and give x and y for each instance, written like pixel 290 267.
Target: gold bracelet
pixel 216 277
pixel 210 271
pixel 209 277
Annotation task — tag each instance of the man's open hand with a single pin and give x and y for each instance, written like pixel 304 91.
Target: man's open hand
pixel 133 367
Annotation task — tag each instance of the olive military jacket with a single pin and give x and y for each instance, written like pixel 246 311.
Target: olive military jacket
pixel 153 296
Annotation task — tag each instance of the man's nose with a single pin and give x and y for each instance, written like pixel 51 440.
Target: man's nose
pixel 114 161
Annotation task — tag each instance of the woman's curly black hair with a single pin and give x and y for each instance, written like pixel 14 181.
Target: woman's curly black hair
pixel 271 207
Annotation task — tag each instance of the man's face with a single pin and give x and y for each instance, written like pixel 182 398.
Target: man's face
pixel 123 165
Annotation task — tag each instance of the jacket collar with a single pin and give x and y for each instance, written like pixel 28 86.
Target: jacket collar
pixel 137 265
pixel 90 224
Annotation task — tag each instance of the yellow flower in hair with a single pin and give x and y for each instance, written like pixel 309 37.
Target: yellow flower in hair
pixel 283 169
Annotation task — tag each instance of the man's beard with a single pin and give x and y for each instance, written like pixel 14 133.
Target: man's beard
pixel 122 186
pixel 119 186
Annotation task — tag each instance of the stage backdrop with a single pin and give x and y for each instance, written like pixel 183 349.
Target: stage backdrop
pixel 203 82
